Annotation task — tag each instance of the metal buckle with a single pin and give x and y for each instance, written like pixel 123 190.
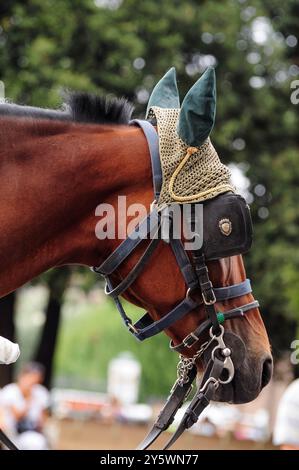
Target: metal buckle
pixel 95 269
pixel 209 302
pixel 132 328
pixel 188 293
pixel 186 344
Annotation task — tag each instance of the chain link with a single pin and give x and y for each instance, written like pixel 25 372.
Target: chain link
pixel 185 364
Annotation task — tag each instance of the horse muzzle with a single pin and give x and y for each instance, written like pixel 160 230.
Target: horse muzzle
pixel 251 372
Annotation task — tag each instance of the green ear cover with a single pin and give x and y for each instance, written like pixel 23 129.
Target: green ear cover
pixel 198 110
pixel 165 94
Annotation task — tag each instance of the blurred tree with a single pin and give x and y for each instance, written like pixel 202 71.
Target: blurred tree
pixel 57 282
pixel 272 142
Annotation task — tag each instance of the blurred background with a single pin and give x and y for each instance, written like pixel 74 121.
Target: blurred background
pixel 62 319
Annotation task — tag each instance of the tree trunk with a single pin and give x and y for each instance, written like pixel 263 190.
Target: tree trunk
pixel 7 329
pixel 44 354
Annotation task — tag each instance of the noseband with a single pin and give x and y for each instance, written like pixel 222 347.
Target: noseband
pixel 220 368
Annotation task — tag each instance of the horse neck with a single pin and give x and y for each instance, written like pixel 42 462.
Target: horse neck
pixel 53 176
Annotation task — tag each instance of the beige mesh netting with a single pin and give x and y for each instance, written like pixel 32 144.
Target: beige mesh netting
pixel 192 177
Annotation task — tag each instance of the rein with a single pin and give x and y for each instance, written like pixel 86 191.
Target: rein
pixel 222 362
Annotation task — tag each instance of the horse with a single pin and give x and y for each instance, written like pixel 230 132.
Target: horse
pixel 56 167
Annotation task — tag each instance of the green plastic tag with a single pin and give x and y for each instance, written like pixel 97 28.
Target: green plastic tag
pixel 220 317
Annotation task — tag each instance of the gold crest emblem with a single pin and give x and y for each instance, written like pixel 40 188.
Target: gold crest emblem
pixel 225 226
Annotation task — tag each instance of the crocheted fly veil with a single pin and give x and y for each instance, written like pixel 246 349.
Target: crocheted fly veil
pixel 191 168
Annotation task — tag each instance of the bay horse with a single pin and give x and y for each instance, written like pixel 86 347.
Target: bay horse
pixel 55 168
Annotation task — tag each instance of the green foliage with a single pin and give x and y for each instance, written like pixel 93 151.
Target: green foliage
pixel 95 335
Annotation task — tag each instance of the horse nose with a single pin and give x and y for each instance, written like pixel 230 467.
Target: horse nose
pixel 267 370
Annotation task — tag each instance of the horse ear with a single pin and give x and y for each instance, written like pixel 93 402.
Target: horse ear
pixel 198 110
pixel 165 94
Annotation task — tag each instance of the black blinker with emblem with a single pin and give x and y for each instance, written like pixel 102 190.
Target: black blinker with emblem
pixel 227 226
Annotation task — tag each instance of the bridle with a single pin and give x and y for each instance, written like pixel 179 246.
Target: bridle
pixel 225 351
pixel 222 363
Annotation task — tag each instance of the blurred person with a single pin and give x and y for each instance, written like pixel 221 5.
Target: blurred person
pixel 24 408
pixel 286 430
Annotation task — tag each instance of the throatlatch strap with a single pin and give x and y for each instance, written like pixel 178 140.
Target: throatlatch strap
pixel 134 273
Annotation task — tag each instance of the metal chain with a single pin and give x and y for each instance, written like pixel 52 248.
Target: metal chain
pixel 185 364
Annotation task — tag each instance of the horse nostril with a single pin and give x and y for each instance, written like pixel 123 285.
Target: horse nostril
pixel 267 371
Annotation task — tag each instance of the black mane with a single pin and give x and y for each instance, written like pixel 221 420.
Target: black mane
pixel 87 107
pixel 78 107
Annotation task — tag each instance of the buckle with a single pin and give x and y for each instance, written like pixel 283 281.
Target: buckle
pixel 132 328
pixel 96 269
pixel 213 299
pixel 187 338
pixel 188 293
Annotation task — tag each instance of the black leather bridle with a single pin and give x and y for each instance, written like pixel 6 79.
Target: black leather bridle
pixel 222 362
